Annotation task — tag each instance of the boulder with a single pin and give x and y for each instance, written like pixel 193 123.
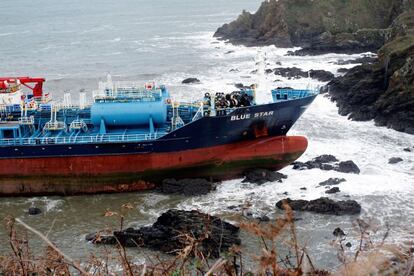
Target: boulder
pixel 395 160
pixel 291 72
pixel 323 205
pixel 333 190
pixel 190 81
pixel 364 59
pixel 407 149
pixel 99 238
pixel 342 70
pixel 187 187
pixel 261 176
pixel 325 158
pixel 338 232
pixel 347 167
pixel 34 211
pixel 321 75
pixel 327 162
pixel 332 181
pixel 264 218
pixel 168 233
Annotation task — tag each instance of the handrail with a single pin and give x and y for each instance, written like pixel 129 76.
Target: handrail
pixel 80 139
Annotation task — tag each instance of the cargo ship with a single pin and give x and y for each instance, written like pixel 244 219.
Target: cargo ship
pixel 131 137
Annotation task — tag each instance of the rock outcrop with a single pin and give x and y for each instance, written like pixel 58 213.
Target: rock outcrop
pixel 190 81
pixel 323 205
pixel 320 26
pixel 382 91
pixel 332 181
pixel 327 162
pixel 261 176
pixel 169 234
pixel 296 73
pixel 395 160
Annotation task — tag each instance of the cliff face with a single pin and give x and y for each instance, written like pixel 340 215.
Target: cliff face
pixel 383 91
pixel 323 25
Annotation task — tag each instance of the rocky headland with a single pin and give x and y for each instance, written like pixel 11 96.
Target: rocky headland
pixel 380 90
pixel 384 90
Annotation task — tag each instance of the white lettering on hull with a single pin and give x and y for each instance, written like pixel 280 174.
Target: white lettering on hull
pixel 248 116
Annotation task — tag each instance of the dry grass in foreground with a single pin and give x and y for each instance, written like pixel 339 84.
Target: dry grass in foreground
pixel 370 258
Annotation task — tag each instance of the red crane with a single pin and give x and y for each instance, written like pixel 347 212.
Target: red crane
pixel 37 89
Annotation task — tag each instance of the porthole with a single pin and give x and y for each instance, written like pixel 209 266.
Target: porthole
pixel 69 147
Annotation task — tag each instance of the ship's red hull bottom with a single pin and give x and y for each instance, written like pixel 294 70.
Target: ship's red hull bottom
pixel 135 172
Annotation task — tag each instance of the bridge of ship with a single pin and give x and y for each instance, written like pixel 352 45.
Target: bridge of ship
pixel 65 124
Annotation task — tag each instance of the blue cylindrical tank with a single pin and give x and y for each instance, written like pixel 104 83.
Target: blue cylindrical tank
pixel 129 113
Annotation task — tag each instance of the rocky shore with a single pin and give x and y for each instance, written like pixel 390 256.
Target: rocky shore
pixel 174 230
pixel 380 90
pixel 329 26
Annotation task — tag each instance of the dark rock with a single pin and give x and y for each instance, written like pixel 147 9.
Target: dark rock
pixel 327 167
pixel 239 85
pixel 321 75
pixel 348 244
pixel 325 162
pixel 332 181
pixel 299 204
pixel 99 238
pixel 229 52
pixel 342 70
pixel 291 72
pixel 338 232
pixel 382 91
pixel 248 213
pixel 232 207
pixel 303 188
pixel 276 22
pixel 333 190
pixel 317 162
pixel 34 211
pixel 323 205
pixel 264 218
pixel 347 167
pixel 325 158
pixel 167 234
pixel 188 187
pixel 268 71
pixel 234 70
pixel 363 60
pixel 190 81
pixel 407 150
pixel 395 160
pixel 260 176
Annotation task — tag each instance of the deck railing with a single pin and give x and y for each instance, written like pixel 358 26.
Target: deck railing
pixel 99 138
